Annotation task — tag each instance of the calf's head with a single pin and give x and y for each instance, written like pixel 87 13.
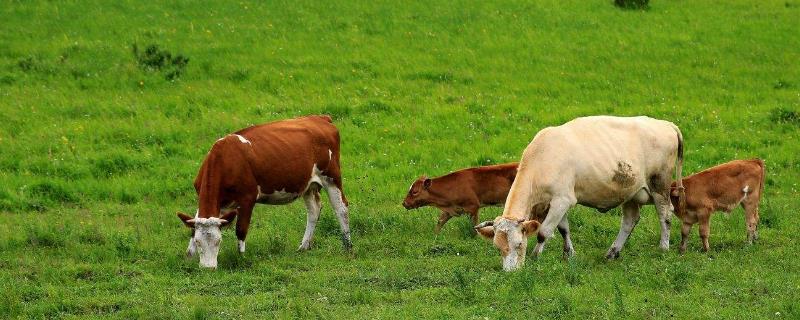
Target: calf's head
pixel 206 237
pixel 419 194
pixel 510 237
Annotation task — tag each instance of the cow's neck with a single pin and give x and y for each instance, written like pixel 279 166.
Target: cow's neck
pixel 519 201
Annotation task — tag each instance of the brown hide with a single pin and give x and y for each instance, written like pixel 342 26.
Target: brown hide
pixel 463 191
pixel 721 188
pixel 280 156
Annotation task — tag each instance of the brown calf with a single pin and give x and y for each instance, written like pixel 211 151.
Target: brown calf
pixel 721 188
pixel 463 191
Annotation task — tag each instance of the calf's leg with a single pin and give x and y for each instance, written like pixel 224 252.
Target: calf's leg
pixel 443 218
pixel 630 217
pixel 313 206
pixel 685 229
pixel 705 222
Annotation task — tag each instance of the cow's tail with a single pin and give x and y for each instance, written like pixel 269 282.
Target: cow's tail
pixel 679 173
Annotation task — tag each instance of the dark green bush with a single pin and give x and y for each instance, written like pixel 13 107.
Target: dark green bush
pixel 632 4
pixel 153 58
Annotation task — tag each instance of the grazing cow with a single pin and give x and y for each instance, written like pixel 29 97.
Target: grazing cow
pixel 463 191
pixel 272 163
pixel 721 188
pixel 600 162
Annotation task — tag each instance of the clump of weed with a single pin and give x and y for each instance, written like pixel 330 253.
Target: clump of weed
pixel 633 4
pixel 153 58
pixel 573 275
pixel 44 237
pixel 200 313
pixel 113 165
pixel 375 106
pixel 476 108
pixel 463 280
pixel 275 245
pixel 783 115
pixel 92 235
pixel 782 84
pixel 49 192
pixel 239 75
pixel 337 111
pixel 618 302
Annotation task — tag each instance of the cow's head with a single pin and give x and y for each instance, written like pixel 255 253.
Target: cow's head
pixel 419 193
pixel 207 236
pixel 511 237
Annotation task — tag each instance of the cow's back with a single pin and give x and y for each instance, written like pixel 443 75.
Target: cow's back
pixel 601 159
pixel 284 155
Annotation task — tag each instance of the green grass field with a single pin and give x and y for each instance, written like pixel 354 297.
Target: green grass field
pixel 99 147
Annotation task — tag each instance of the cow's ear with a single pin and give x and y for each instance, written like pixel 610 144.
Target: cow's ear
pixel 187 220
pixel 485 229
pixel 228 217
pixel 426 183
pixel 674 192
pixel 530 227
pixel 486 232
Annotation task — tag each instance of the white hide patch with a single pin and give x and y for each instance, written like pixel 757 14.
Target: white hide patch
pixel 746 189
pixel 243 139
pixel 330 154
pixel 277 197
pixel 241 246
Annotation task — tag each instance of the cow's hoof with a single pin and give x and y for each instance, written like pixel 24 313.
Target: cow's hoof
pixel 569 254
pixel 304 247
pixel 612 254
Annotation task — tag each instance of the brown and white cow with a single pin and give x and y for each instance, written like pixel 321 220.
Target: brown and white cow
pixel 721 188
pixel 600 162
pixel 272 163
pixel 462 192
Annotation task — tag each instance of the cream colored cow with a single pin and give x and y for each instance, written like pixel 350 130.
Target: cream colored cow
pixel 600 162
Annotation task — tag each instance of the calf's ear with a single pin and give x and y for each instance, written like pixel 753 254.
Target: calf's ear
pixel 530 227
pixel 228 217
pixel 426 183
pixel 187 220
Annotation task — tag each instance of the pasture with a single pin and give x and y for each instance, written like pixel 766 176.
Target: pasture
pixel 100 143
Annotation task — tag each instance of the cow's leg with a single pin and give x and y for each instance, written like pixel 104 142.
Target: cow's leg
pixel 705 222
pixel 313 206
pixel 630 216
pixel 245 212
pixel 686 228
pixel 557 212
pixel 339 204
pixel 664 209
pixel 563 228
pixel 443 218
pixel 751 216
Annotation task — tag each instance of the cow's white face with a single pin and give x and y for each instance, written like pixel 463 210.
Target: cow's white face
pixel 510 237
pixel 207 237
